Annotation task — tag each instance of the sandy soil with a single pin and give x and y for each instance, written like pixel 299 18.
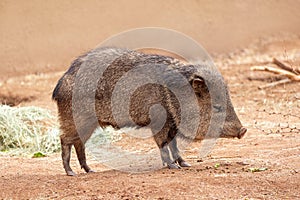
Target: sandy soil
pixel 271 115
pixel 272 142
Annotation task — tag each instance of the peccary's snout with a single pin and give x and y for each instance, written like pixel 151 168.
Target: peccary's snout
pixel 233 132
pixel 242 132
pixel 233 127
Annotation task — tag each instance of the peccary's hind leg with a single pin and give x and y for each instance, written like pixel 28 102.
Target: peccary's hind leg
pixel 175 153
pixel 164 151
pixel 80 151
pixel 66 155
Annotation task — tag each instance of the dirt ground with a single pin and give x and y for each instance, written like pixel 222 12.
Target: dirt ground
pixel 272 143
pixel 271 115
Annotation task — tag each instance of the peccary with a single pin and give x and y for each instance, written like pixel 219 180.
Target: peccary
pixel 84 98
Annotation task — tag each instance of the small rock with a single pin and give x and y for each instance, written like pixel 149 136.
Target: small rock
pixel 283 125
pixel 292 126
pixel 242 163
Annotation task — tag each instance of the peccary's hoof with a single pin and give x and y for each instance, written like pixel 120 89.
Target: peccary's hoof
pixel 71 173
pixel 184 164
pixel 91 171
pixel 173 166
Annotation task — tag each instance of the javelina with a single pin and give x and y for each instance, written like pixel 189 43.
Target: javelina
pixel 84 99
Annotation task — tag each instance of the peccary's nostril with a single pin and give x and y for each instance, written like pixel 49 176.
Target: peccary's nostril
pixel 242 132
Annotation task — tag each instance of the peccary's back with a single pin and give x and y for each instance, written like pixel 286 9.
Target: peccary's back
pixel 118 88
pixel 95 58
pixel 112 86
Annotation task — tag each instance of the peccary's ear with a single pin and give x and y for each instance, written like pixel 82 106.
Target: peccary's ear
pixel 199 85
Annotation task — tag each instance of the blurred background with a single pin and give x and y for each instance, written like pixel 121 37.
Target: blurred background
pixel 45 36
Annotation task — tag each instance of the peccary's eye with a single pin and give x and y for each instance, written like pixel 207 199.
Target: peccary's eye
pixel 217 108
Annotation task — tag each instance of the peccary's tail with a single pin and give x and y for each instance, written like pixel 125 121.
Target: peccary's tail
pixel 56 90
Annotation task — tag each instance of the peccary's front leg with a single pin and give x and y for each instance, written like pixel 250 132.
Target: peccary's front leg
pixel 80 151
pixel 175 153
pixel 165 156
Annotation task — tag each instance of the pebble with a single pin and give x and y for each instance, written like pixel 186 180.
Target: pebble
pixel 293 126
pixel 283 125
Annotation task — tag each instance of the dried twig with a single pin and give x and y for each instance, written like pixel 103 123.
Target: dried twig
pixel 286 73
pixel 286 67
pixel 291 73
pixel 263 77
pixel 283 81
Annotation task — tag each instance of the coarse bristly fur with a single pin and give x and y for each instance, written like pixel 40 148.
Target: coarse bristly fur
pixel 84 98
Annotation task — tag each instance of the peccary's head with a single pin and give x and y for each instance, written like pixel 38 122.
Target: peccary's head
pixel 216 109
